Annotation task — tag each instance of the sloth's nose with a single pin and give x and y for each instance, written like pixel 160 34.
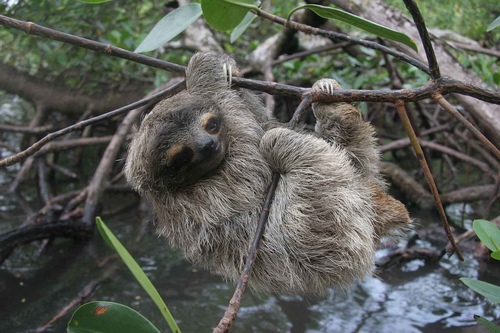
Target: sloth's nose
pixel 207 145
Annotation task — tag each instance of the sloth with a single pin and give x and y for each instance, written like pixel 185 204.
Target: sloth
pixel 205 157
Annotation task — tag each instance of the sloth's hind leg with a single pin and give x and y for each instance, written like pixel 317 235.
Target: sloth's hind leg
pixel 342 124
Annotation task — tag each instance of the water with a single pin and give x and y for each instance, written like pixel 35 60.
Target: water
pixel 412 298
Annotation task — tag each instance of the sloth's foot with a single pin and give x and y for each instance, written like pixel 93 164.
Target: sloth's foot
pixel 344 115
pixel 228 73
pixel 326 85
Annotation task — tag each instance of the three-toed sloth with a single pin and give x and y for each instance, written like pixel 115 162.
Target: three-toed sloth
pixel 205 157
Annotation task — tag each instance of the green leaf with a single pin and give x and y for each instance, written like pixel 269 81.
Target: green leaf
pixel 488 324
pixel 170 26
pixel 358 22
pixel 109 317
pixel 494 24
pixel 225 15
pixel 94 1
pixel 486 289
pixel 240 29
pixel 488 233
pixel 136 270
pixel 496 255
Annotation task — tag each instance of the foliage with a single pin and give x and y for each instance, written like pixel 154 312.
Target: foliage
pixel 232 15
pixel 489 234
pixel 359 22
pixel 110 22
pixel 170 26
pixel 112 317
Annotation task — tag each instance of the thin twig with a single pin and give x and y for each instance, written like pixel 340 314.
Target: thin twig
pixel 454 112
pixel 400 106
pixel 342 37
pixel 35 29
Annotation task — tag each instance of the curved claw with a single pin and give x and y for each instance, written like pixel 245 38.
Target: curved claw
pixel 228 73
pixel 327 85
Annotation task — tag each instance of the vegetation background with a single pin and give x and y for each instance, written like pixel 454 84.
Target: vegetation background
pixel 47 85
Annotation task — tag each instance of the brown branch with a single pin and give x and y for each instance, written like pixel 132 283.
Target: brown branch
pixel 342 37
pixel 445 86
pixel 83 295
pixel 73 143
pixel 470 194
pixel 34 232
pixel 466 158
pixel 424 36
pixel 405 142
pixel 101 174
pixel 35 29
pixel 398 144
pixel 27 129
pixel 402 256
pixel 476 49
pixel 428 176
pixel 454 112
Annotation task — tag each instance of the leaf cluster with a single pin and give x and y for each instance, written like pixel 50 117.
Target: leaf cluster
pixel 489 234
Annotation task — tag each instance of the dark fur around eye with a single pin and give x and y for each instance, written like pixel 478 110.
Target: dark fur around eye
pixel 212 125
pixel 180 158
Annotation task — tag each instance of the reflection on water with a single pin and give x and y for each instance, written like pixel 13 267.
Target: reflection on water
pixel 413 298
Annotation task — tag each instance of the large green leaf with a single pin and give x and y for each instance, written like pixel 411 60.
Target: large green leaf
pixel 136 270
pixel 109 317
pixel 494 24
pixel 225 15
pixel 359 22
pixel 236 33
pixel 488 233
pixel 170 26
pixel 486 289
pixel 488 324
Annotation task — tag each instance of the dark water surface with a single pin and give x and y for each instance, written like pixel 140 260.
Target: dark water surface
pixel 413 298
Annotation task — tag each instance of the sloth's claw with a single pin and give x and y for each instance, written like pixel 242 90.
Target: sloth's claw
pixel 228 74
pixel 326 85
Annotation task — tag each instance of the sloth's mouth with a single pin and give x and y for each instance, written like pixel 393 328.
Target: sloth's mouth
pixel 209 152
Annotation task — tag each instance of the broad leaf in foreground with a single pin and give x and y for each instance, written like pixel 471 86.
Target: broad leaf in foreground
pixel 109 317
pixel 225 15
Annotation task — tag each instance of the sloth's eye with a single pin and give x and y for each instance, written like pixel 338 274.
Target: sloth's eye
pixel 212 127
pixel 211 123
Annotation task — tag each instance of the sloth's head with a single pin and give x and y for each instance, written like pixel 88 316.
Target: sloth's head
pixel 177 144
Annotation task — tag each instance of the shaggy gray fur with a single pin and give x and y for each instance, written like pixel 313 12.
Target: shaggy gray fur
pixel 324 223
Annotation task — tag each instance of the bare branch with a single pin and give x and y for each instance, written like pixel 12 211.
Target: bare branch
pixel 428 176
pixel 448 107
pixel 35 29
pixel 342 37
pixel 424 36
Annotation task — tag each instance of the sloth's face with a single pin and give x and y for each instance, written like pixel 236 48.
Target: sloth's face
pixel 190 144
